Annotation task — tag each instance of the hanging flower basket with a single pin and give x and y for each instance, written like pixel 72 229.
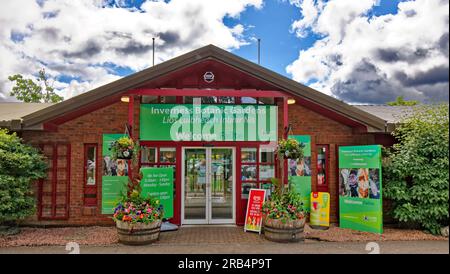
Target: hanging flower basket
pixel 124 148
pixel 290 149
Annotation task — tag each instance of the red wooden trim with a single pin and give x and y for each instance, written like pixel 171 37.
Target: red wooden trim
pixel 55 155
pixel 178 180
pixel 324 188
pixel 285 136
pixel 208 92
pixel 55 177
pixel 68 172
pixel 131 115
pixel 238 190
pixel 40 189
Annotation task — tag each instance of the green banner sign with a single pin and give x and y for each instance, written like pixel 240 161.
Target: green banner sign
pixel 157 182
pixel 198 122
pixel 300 171
pixel 114 177
pixel 360 196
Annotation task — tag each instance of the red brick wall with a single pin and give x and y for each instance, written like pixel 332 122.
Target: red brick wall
pixel 88 128
pixel 112 119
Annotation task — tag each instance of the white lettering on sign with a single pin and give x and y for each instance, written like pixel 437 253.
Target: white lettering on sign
pixel 214 124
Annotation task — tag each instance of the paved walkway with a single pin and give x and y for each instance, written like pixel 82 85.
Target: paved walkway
pixel 220 239
pixel 307 247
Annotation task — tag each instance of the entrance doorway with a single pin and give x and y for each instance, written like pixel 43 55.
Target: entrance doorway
pixel 208 185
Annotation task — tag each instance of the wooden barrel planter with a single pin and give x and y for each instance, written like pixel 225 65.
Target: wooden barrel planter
pixel 289 231
pixel 138 233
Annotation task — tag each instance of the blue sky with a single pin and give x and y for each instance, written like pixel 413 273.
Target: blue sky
pixel 279 46
pixel 365 51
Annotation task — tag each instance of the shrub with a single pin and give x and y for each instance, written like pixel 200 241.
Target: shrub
pixel 20 165
pixel 416 170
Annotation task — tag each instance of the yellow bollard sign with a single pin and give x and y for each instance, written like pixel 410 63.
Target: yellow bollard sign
pixel 319 217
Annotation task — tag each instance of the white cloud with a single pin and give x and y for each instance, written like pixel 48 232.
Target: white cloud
pixel 75 38
pixel 373 59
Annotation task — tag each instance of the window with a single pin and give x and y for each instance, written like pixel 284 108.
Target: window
pixel 167 155
pixel 322 167
pixel 266 164
pixel 211 100
pixel 148 155
pixel 257 168
pixel 90 174
pixel 146 99
pixel 158 156
pixel 257 101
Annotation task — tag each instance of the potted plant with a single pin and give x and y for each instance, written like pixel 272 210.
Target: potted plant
pixel 138 219
pixel 283 214
pixel 124 148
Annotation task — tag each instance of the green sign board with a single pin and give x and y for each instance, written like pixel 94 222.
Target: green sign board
pixel 112 188
pixel 300 171
pixel 360 196
pixel 157 182
pixel 114 177
pixel 197 122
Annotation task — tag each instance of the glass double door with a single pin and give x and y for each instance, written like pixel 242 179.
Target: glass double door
pixel 208 186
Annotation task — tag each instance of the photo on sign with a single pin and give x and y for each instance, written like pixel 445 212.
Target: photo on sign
pixel 359 182
pixel 300 167
pixel 118 167
pixel 374 183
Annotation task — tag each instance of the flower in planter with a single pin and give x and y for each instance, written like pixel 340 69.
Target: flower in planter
pixel 284 204
pixel 134 208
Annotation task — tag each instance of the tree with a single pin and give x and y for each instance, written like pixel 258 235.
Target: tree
pixel 20 165
pixel 399 101
pixel 28 91
pixel 416 170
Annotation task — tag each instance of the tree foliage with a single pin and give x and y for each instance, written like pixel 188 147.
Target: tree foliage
pixel 400 101
pixel 416 170
pixel 28 91
pixel 20 165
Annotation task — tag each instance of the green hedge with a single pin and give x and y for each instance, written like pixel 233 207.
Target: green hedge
pixel 416 169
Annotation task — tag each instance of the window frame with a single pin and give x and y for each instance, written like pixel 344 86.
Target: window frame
pixel 257 181
pixel 325 186
pixel 90 195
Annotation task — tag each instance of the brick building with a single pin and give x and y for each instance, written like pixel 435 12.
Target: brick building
pixel 72 133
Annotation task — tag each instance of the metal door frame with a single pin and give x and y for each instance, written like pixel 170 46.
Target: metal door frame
pixel 208 204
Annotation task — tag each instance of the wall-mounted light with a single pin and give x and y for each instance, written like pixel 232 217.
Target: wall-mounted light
pixel 291 101
pixel 125 99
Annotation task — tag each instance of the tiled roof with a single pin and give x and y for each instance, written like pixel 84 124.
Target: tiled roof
pixel 10 111
pixel 391 114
